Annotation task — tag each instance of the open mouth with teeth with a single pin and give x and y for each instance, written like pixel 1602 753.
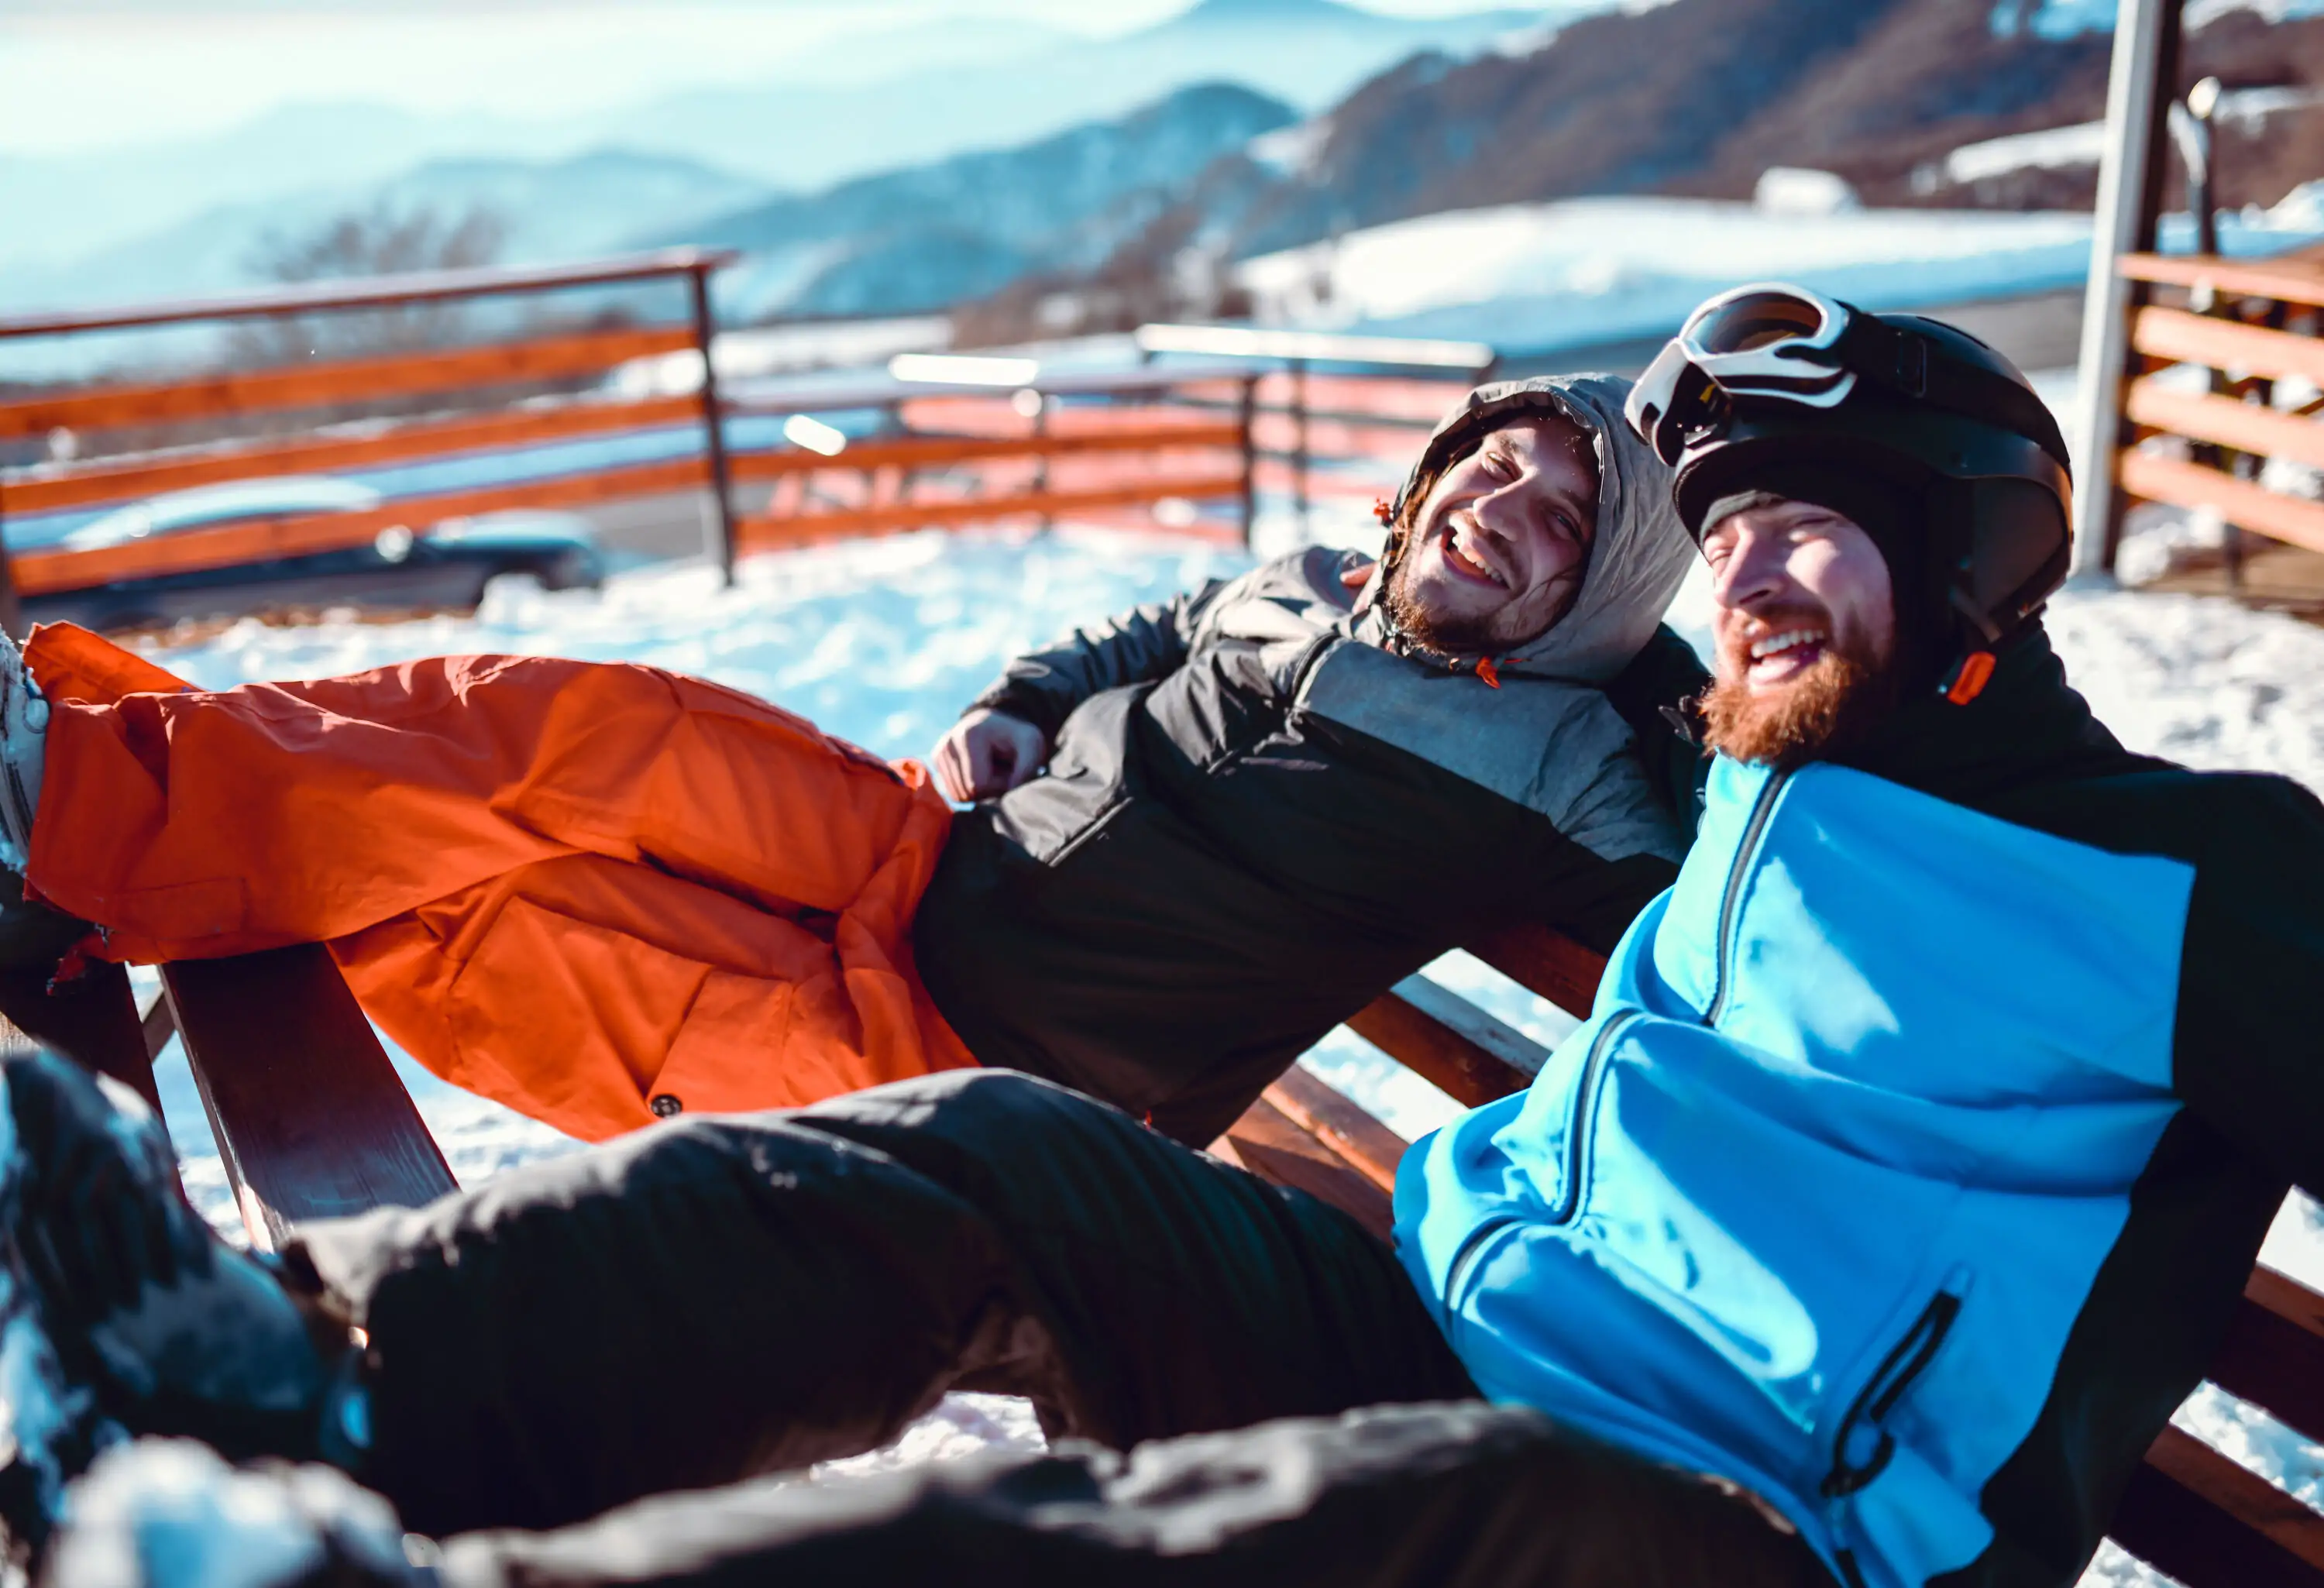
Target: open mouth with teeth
pixel 1779 657
pixel 1466 556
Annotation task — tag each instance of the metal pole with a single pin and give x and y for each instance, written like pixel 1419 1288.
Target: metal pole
pixel 1246 417
pixel 1041 462
pixel 1299 443
pixel 714 432
pixel 2145 73
pixel 12 611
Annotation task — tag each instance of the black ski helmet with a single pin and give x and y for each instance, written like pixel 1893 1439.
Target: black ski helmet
pixel 1766 379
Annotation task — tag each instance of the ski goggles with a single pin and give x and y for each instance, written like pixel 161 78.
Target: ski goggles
pixel 1769 340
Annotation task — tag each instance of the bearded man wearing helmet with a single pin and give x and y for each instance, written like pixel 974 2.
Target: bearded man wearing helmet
pixel 1893 1196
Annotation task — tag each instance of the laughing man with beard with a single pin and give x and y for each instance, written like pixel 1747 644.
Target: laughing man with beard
pixel 1208 831
pixel 1898 1188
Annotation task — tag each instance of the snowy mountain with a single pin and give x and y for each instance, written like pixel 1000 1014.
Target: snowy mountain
pixel 877 99
pixel 1309 52
pixel 1700 98
pixel 931 235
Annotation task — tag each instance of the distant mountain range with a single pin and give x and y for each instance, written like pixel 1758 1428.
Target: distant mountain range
pixel 1188 167
pixel 935 234
pixel 862 104
pixel 908 241
pixel 567 208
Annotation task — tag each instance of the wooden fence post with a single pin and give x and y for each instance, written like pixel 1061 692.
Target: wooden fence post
pixel 1246 420
pixel 2130 193
pixel 1299 442
pixel 714 429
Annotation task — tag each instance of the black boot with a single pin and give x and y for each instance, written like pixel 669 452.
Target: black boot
pixel 161 1325
pixel 50 1422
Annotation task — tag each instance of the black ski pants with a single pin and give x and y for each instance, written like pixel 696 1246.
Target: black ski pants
pixel 713 1300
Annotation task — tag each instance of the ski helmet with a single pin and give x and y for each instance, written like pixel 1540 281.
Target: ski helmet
pixel 1769 379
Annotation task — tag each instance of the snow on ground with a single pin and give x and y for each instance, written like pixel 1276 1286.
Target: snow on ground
pixel 883 641
pixel 1587 271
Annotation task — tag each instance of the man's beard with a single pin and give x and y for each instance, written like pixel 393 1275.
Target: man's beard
pixel 1446 634
pixel 1839 699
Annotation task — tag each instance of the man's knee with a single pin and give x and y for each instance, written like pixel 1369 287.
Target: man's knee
pixel 977 1112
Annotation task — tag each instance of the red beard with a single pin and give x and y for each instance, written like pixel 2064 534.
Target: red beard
pixel 1831 706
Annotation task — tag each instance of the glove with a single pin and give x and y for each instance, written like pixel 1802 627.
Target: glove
pixel 169 1513
pixel 99 1211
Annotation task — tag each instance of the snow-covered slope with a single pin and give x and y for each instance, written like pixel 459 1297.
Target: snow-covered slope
pixel 1581 271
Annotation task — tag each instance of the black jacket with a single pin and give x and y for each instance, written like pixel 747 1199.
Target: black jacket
pixel 1217 870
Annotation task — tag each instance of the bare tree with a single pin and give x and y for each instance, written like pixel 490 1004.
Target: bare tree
pixel 379 241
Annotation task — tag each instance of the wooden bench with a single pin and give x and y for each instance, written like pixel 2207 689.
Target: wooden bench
pixel 312 1120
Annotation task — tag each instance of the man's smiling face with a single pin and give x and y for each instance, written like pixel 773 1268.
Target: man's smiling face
pixel 1806 630
pixel 1501 540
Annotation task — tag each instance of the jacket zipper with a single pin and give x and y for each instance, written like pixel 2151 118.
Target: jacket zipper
pixel 1762 811
pixel 1577 1134
pixel 1906 1360
pixel 1577 1160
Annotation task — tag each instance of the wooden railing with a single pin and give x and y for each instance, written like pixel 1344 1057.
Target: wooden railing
pixel 1084 445
pixel 1333 415
pixel 2209 341
pixel 1212 416
pixel 477 384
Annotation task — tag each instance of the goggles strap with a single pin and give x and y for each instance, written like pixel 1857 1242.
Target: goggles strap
pixel 1899 360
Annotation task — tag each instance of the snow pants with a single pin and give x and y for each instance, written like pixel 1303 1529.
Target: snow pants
pixel 713 1300
pixel 593 892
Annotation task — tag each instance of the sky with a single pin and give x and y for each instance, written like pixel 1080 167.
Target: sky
pixel 86 74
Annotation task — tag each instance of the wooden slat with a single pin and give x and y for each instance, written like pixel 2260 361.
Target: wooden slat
pixel 39 572
pixel 311 1118
pixel 2273 1354
pixel 756 533
pixel 359 380
pixel 2197 338
pixel 1359 1140
pixel 133 478
pixel 2196 1516
pixel 2286 281
pixel 1453 1060
pixel 377 292
pixel 936 451
pixel 1546 963
pixel 157 1025
pixel 2251 506
pixel 1267 1143
pixel 91 1020
pixel 2245 426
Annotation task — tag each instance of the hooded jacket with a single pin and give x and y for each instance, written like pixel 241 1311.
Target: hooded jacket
pixel 1910 1164
pixel 1263 810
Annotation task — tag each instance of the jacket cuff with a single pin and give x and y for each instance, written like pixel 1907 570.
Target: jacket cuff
pixel 1025 703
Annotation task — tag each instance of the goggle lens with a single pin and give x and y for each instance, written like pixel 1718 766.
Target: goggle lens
pixel 1749 322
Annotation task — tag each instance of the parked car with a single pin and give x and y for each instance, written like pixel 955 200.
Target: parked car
pixel 446 564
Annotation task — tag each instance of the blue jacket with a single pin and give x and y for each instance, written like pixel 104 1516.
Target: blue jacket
pixel 1823 1196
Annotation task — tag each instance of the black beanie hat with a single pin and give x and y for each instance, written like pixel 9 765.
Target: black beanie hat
pixel 1879 506
pixel 1874 503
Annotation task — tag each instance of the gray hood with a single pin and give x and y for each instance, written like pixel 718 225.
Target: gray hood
pixel 1636 563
